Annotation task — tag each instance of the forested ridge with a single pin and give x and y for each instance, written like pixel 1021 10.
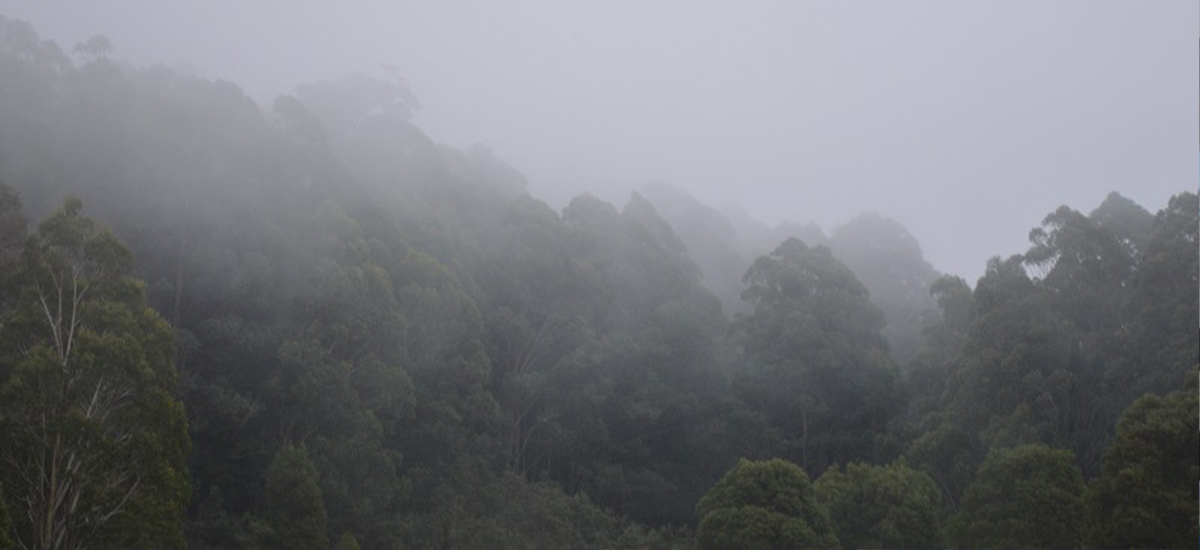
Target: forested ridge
pixel 308 325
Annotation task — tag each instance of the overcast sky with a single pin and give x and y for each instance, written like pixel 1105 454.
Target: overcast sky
pixel 965 121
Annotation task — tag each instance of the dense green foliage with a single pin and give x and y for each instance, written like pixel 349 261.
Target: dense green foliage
pixel 818 364
pixel 766 505
pixel 96 441
pixel 1146 494
pixel 889 506
pixel 323 328
pixel 1029 496
pixel 6 525
pixel 295 514
pixel 1052 345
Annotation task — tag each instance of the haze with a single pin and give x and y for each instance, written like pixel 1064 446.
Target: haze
pixel 966 122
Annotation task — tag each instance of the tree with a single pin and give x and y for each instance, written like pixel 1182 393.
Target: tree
pixel 1087 270
pixel 344 103
pixel 945 339
pixel 710 238
pixel 1146 494
pixel 1024 497
pixel 95 443
pixel 12 227
pixel 891 506
pixel 96 47
pixel 603 342
pixel 295 513
pixel 1010 384
pixel 820 367
pixel 767 505
pixel 347 542
pixel 889 262
pixel 1165 303
pixel 12 240
pixel 6 526
pixel 1131 224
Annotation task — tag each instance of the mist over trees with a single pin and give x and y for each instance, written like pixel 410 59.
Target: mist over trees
pixel 229 325
pixel 883 255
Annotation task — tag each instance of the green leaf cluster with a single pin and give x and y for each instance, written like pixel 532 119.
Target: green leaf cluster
pixel 892 506
pixel 96 442
pixel 1146 494
pixel 768 505
pixel 1029 496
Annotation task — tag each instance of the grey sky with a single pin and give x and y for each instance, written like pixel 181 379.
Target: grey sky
pixel 965 121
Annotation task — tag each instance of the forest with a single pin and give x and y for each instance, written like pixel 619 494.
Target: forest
pixel 308 325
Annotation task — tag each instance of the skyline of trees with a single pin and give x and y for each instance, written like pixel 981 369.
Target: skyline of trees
pixel 366 337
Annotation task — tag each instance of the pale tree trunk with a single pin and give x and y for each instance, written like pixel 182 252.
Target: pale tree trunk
pixel 57 464
pixel 523 409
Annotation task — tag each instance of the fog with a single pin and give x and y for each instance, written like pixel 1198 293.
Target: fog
pixel 509 275
pixel 966 122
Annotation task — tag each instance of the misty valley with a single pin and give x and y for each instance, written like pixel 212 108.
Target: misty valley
pixel 307 325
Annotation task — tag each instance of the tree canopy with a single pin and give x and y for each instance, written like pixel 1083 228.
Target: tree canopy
pixel 763 505
pixel 821 374
pixel 1146 494
pixel 308 323
pixel 892 506
pixel 1029 496
pixel 96 442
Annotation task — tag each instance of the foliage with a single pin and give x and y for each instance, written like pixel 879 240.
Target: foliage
pixel 1029 496
pixel 1146 494
pixel 6 525
pixel 767 505
pixel 889 262
pixel 1126 220
pixel 347 542
pixel 508 512
pixel 461 364
pixel 889 506
pixel 295 512
pixel 12 242
pixel 96 443
pixel 12 227
pixel 822 374
pixel 606 352
pixel 1051 345
pixel 1165 304
pixel 945 340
